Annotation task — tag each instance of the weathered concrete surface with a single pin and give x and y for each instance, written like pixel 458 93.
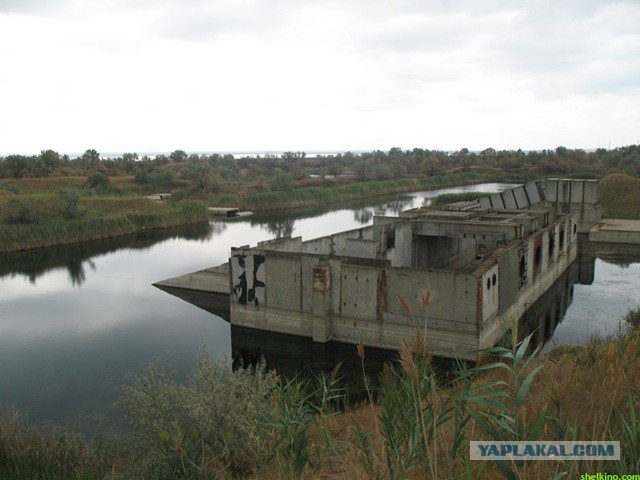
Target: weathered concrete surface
pixel 616 231
pixel 213 280
pixel 216 303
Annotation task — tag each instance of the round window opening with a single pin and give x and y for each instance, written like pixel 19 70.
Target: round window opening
pixel 494 279
pixel 488 284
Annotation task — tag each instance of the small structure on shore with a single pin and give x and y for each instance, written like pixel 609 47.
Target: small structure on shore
pixel 159 197
pixel 229 212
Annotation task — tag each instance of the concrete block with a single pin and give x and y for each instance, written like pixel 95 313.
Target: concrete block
pixel 283 283
pixel 533 193
pixel 564 191
pixel 359 248
pixel 521 197
pixel 496 201
pixel 591 213
pixel 509 199
pixel 485 202
pixel 359 292
pixel 590 191
pixel 577 190
pixel 551 190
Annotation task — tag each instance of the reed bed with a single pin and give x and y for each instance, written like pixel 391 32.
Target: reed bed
pixel 54 218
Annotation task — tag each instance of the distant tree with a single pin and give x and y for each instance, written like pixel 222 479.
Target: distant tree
pixel 50 159
pixel 178 156
pixel 562 152
pixel 90 159
pixel 361 169
pixel 17 165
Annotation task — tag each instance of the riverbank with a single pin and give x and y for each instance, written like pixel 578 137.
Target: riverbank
pixel 37 218
pixel 48 219
pixel 331 194
pixel 252 424
pixel 33 215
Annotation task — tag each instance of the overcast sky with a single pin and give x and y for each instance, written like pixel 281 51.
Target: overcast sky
pixel 225 75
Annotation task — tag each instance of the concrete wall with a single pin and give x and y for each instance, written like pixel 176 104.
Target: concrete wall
pixel 508 272
pixel 437 252
pixel 489 288
pixel 509 199
pixel 359 292
pixel 283 283
pixel 454 297
pixel 284 244
pixel 338 243
pixel 533 193
pixel 353 247
pixel 401 254
pixel 522 201
pixel 578 197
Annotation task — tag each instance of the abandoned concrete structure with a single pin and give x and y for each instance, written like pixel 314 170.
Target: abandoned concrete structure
pixel 480 260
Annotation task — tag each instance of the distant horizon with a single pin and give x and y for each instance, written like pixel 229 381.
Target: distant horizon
pixel 308 153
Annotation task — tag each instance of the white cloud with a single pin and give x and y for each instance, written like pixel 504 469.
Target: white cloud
pixel 280 74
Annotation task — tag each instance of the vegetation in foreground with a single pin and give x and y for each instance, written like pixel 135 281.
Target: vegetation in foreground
pixel 251 424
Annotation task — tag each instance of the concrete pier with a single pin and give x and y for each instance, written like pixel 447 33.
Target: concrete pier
pixel 616 231
pixel 229 212
pixel 210 280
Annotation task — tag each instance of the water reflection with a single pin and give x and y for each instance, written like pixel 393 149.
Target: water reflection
pixel 281 228
pixel 35 263
pixel 363 216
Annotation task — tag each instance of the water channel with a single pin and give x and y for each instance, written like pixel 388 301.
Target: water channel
pixel 79 322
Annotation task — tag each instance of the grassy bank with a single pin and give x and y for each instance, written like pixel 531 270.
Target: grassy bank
pixel 327 195
pixel 252 424
pixel 33 215
pixel 45 219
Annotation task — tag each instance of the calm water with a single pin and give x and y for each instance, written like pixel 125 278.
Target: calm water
pixel 77 323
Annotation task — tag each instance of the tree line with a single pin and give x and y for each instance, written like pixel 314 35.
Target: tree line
pixel 280 171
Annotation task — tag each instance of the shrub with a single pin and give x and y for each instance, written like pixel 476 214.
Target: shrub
pixel 97 181
pixel 22 212
pixel 203 427
pixel 281 182
pixel 633 318
pixel 70 199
